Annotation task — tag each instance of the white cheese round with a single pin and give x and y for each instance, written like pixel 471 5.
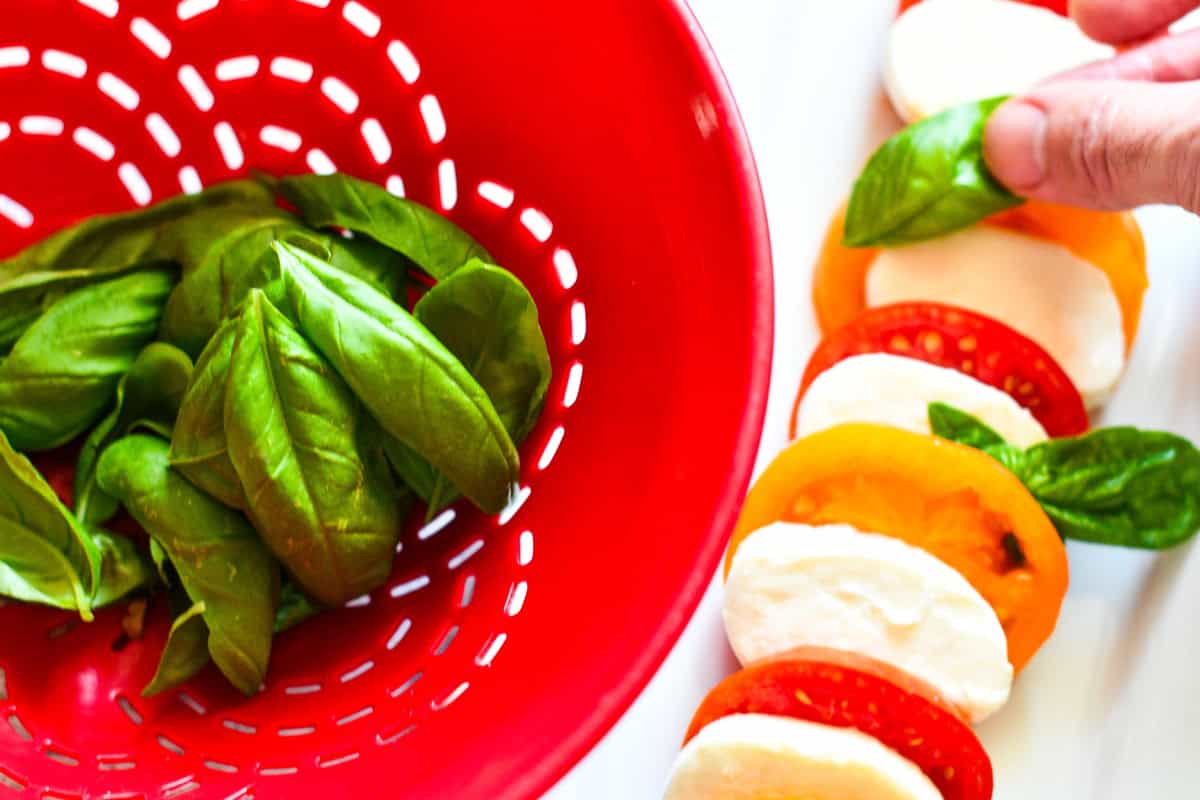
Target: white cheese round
pixel 756 756
pixel 1034 286
pixel 833 586
pixel 894 390
pixel 945 52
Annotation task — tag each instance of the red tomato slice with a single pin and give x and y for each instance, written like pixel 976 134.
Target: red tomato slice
pixel 849 691
pixel 1057 6
pixel 971 343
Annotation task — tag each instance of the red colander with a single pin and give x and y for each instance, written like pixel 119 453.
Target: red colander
pixel 595 150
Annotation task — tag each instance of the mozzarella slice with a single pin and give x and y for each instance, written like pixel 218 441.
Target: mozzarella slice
pixel 1037 287
pixel 894 390
pixel 945 52
pixel 833 586
pixel 757 756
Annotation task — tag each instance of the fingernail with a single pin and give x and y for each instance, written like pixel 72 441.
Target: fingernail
pixel 1015 145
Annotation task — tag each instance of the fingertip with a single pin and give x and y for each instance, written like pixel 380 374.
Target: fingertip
pixel 1120 22
pixel 1014 145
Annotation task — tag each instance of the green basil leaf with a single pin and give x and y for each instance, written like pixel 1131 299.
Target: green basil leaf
pixel 63 371
pixel 926 181
pixel 369 261
pixel 489 321
pixel 1115 486
pixel 430 240
pixel 123 568
pixel 224 252
pixel 310 463
pixel 148 396
pixel 219 558
pixel 185 653
pixel 161 562
pixel 415 472
pixel 1119 486
pixel 295 607
pixel 45 555
pixel 199 449
pixel 100 248
pixel 959 426
pixel 416 388
pixel 108 244
pixel 20 309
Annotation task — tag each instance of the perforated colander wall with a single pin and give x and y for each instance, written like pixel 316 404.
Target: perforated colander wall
pixel 501 645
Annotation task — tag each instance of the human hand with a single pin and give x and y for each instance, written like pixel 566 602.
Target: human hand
pixel 1115 134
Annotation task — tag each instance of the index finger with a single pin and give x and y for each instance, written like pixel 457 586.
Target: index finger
pixel 1121 21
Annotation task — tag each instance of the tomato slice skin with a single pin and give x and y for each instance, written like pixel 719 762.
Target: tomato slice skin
pixel 1057 6
pixel 1110 241
pixel 950 500
pixel 850 691
pixel 976 345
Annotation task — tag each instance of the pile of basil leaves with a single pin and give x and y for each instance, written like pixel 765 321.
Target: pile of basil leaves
pixel 251 386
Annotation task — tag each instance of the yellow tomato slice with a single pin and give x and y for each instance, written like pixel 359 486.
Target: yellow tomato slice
pixel 1110 241
pixel 950 500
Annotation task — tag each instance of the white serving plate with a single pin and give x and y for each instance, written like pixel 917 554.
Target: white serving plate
pixel 1111 707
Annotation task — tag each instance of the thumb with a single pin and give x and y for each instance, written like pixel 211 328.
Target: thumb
pixel 1100 144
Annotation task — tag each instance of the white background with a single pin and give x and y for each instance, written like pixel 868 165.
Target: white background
pixel 1111 707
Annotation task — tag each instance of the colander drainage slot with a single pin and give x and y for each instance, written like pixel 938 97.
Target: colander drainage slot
pixel 19 728
pixel 305 730
pixel 9 782
pixel 398 635
pixel 385 739
pixel 408 684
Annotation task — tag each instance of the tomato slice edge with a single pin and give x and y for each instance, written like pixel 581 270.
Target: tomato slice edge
pixel 847 690
pixel 974 344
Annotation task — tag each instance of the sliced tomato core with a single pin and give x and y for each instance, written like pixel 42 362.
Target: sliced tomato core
pixel 974 344
pixel 844 690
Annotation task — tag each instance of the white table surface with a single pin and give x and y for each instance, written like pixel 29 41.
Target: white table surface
pixel 1111 708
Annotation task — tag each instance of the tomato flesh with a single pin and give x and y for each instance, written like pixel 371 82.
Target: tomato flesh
pixel 976 345
pixel 849 691
pixel 952 501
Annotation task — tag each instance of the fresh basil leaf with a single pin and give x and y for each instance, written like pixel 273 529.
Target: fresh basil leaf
pixel 959 426
pixel 295 607
pixel 63 371
pixel 148 396
pixel 489 321
pixel 109 244
pixel 123 568
pixel 45 555
pixel 219 558
pixel 309 460
pixel 416 388
pixel 199 449
pixel 381 267
pixel 1119 486
pixel 926 181
pixel 1115 486
pixel 100 248
pixel 430 240
pixel 20 309
pixel 415 472
pixel 185 653
pixel 161 562
pixel 224 252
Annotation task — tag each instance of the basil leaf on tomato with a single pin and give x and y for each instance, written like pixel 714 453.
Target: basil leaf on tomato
pixel 1116 486
pixel 950 423
pixel 926 181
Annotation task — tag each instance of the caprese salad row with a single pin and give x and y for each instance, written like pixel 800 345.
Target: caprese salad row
pixel 899 563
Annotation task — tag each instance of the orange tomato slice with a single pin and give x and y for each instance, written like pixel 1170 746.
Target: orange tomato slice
pixel 1110 241
pixel 950 500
